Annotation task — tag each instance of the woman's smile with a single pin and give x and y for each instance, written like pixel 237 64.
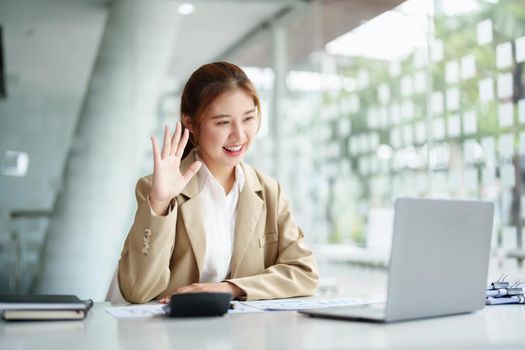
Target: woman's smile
pixel 233 151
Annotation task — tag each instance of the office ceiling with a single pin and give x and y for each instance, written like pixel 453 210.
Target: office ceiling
pixel 241 30
pixel 63 36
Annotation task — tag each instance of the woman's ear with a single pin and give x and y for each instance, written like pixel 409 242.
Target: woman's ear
pixel 187 122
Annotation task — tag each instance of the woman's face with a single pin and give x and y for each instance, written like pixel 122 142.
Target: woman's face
pixel 228 130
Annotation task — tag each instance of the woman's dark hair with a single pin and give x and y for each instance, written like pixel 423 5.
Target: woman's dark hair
pixel 204 86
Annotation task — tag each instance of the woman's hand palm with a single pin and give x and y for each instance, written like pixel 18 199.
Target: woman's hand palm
pixel 168 180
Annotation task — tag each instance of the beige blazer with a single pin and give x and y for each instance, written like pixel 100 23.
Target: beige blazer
pixel 163 253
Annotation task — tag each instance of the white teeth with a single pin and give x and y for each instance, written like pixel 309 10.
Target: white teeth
pixel 233 149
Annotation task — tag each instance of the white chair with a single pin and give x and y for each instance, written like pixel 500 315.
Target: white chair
pixel 113 295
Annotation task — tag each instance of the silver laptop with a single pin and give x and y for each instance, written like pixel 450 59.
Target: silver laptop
pixel 438 263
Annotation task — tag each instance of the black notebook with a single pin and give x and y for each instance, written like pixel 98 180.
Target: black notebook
pixel 43 307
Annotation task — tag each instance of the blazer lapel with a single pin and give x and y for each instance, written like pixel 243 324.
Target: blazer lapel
pixel 249 209
pixel 191 211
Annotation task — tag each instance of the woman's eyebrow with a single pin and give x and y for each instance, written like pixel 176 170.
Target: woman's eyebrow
pixel 221 116
pixel 229 116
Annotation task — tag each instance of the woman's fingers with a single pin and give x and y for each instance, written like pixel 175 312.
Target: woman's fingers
pixel 188 289
pixel 173 145
pixel 175 139
pixel 192 170
pixel 166 147
pixel 182 143
pixel 156 153
pixel 205 287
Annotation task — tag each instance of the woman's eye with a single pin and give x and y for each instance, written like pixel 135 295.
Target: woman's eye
pixel 223 122
pixel 249 118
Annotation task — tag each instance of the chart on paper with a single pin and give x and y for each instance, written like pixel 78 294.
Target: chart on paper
pixel 301 304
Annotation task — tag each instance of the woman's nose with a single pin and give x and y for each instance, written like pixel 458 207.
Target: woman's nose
pixel 236 132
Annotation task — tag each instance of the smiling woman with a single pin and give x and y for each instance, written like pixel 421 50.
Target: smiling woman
pixel 228 229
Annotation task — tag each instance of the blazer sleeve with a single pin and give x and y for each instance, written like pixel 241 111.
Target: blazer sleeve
pixel 295 270
pixel 143 269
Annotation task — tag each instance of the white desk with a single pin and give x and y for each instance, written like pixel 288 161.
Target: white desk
pixel 498 327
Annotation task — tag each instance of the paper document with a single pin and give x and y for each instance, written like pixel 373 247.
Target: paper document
pixel 138 311
pixel 239 307
pixel 300 304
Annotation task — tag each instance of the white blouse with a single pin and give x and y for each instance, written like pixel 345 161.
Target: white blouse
pixel 219 211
